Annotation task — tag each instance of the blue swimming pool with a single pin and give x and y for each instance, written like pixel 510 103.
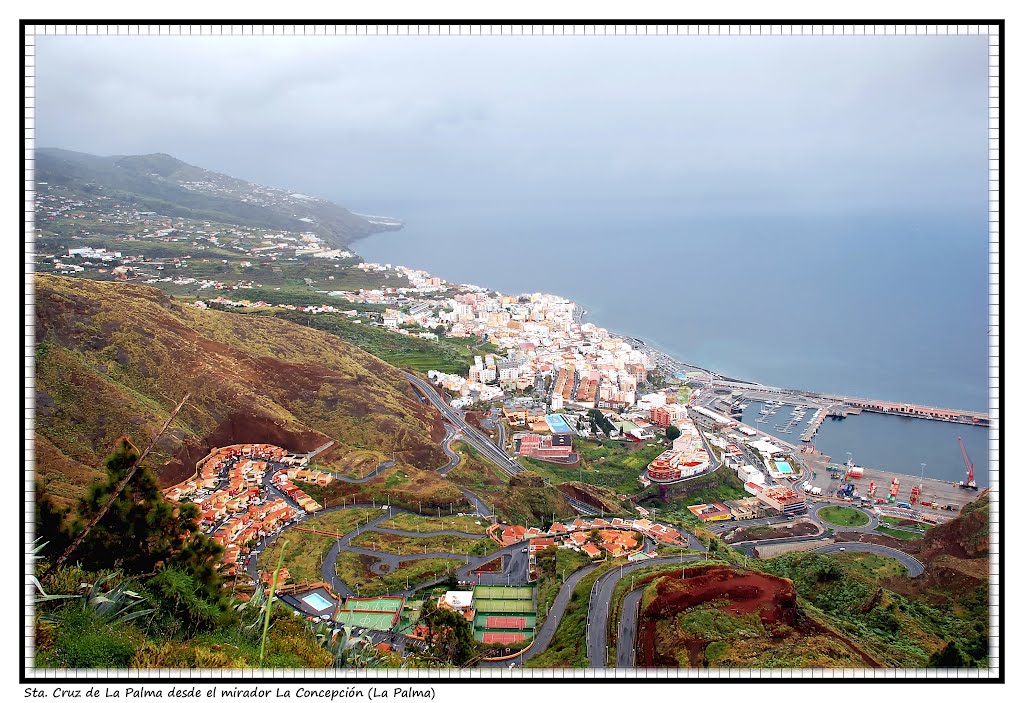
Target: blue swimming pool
pixel 316 602
pixel 784 467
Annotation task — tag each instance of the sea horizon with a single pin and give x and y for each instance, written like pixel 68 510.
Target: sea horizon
pixel 445 244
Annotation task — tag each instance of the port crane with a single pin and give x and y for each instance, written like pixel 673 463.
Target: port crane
pixel 970 484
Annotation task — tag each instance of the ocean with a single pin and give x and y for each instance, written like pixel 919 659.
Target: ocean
pixel 884 306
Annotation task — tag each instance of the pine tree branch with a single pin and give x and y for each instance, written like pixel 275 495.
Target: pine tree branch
pixel 117 492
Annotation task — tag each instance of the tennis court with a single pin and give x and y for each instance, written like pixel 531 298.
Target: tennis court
pixel 503 592
pixel 371 621
pixel 503 637
pixel 484 621
pixel 489 605
pixel 372 613
pixel 504 622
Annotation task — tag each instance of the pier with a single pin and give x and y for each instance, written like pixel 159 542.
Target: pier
pixel 850 405
pixel 963 417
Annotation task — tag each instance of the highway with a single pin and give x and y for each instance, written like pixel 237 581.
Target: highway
pixel 625 656
pixel 914 567
pixel 600 603
pixel 481 442
pixel 473 436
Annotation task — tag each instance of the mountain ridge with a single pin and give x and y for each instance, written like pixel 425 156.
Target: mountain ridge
pixel 171 187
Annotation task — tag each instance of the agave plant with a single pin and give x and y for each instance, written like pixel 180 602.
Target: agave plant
pixel 349 650
pixel 119 604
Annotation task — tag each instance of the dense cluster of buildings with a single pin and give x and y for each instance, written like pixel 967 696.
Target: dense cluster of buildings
pixel 236 508
pixel 595 537
pixel 556 446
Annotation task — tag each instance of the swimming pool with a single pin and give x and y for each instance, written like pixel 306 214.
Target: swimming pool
pixel 784 467
pixel 316 602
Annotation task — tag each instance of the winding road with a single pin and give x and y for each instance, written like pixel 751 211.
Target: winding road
pixel 625 657
pixel 514 560
pixel 914 567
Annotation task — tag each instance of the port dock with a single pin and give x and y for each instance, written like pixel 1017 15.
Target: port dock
pixel 933 490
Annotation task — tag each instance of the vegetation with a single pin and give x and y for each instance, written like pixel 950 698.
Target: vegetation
pixel 671 433
pixel 843 516
pixel 523 500
pixel 449 636
pixel 402 486
pixel 614 465
pixel 419 523
pixel 637 578
pixel 354 570
pixel 144 590
pixel 306 549
pixel 569 644
pixel 446 354
pixel 896 533
pixel 553 567
pixel 854 594
pixel 672 501
pixel 400 544
pixel 114 359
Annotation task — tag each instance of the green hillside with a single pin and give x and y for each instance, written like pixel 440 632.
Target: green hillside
pixel 113 359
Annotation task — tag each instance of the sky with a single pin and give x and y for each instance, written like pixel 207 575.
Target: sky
pixel 862 123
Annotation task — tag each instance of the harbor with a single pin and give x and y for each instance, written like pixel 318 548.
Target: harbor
pixel 891 442
pixel 935 499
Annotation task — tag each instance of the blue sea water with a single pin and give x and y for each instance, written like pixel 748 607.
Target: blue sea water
pixel 887 306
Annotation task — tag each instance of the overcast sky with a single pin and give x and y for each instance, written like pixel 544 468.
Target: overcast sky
pixel 859 122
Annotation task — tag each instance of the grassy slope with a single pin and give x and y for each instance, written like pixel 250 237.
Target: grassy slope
pixel 450 355
pixel 400 544
pixel 113 359
pixel 354 570
pixel 850 592
pixel 305 550
pixel 414 523
pixel 522 501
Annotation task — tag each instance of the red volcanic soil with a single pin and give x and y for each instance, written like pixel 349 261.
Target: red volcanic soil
pixel 734 592
pixel 803 528
pixel 747 592
pixel 492 566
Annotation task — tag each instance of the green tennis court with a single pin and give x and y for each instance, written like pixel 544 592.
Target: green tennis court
pixel 494 606
pixel 503 592
pixel 383 604
pixel 371 621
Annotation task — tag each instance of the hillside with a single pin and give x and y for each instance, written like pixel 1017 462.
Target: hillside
pixel 114 359
pixel 173 188
pixel 906 621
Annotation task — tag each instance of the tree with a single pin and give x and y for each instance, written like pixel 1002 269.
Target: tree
pixel 949 657
pixel 449 636
pixel 672 432
pixel 141 531
pixel 50 518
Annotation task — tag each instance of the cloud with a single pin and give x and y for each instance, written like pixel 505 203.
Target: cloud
pixel 860 122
